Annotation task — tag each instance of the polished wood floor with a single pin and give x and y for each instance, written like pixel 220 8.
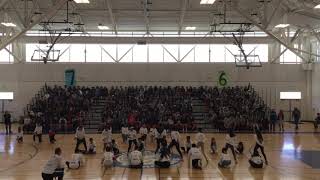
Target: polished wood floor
pixel 25 161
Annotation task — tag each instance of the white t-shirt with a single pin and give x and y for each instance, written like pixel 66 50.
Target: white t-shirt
pixel 143 131
pixel 76 159
pixel 135 157
pixel 124 130
pixel 256 160
pixel 80 133
pixel 54 162
pixel 132 135
pixel 19 134
pixel 195 153
pixel 200 137
pixel 92 146
pixel 38 130
pixel 175 135
pixel 107 135
pixel 225 157
pixel 160 135
pixel 108 158
pixel 231 140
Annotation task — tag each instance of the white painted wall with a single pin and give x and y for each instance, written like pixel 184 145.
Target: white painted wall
pixel 26 79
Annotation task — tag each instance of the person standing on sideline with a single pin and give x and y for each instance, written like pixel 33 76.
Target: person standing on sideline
pixel 259 144
pixel 7 122
pixel 81 139
pixel 54 164
pixel 296 115
pixel 317 121
pixel 273 120
pixel 281 120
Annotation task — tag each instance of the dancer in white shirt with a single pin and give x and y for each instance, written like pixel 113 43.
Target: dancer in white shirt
pixel 20 135
pixel 132 137
pixel 106 137
pixel 76 161
pixel 195 157
pixel 175 141
pixel 231 142
pixel 81 139
pixel 37 132
pixel 160 135
pixel 225 160
pixel 124 133
pixel 200 139
pixel 108 157
pixel 136 158
pixel 55 163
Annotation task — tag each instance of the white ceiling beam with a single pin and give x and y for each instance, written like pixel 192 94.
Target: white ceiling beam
pixel 270 34
pixel 146 15
pixel 112 16
pixel 149 40
pixel 273 14
pixel 21 21
pixel 49 14
pixel 182 14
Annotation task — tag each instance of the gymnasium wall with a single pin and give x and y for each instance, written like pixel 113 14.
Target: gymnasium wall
pixel 26 79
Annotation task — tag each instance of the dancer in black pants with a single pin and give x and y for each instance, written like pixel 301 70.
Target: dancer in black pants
pixel 164 160
pixel 81 139
pixel 132 137
pixel 175 136
pixel 160 134
pixel 231 143
pixel 259 144
pixel 54 167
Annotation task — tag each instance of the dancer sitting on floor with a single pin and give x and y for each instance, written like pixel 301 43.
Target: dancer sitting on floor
pixel 256 161
pixel 108 157
pixel 225 160
pixel 136 158
pixel 80 136
pixel 92 146
pixel 164 158
pixel 195 157
pixel 76 161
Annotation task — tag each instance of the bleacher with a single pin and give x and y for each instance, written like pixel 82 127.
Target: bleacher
pixel 201 106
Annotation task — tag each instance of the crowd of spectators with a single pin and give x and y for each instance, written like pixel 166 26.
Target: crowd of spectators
pixel 237 107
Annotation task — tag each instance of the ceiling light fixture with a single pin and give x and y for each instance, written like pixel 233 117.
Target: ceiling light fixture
pixel 191 28
pixel 317 6
pixel 102 27
pixel 8 24
pixel 207 1
pixel 82 1
pixel 282 25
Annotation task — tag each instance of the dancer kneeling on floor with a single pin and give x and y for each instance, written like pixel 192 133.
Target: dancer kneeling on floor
pixel 256 161
pixel 92 146
pixel 164 159
pixel 108 157
pixel 225 160
pixel 195 157
pixel 54 167
pixel 76 161
pixel 136 158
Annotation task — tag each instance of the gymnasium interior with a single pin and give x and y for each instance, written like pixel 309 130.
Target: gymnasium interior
pixel 240 69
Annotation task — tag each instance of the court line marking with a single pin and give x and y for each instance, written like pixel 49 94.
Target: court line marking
pixel 23 161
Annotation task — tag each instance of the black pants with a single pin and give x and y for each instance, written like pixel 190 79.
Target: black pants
pixel 81 141
pixel 185 150
pixel 158 144
pixel 162 164
pixel 39 137
pixel 256 147
pixel 254 165
pixel 144 137
pixel 58 175
pixel 137 166
pixel 196 163
pixel 134 141
pixel 177 145
pixel 232 150
pixel 8 126
pixel 20 139
pixel 273 126
pixel 52 139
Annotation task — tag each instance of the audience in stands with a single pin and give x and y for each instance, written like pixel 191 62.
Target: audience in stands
pixel 68 107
